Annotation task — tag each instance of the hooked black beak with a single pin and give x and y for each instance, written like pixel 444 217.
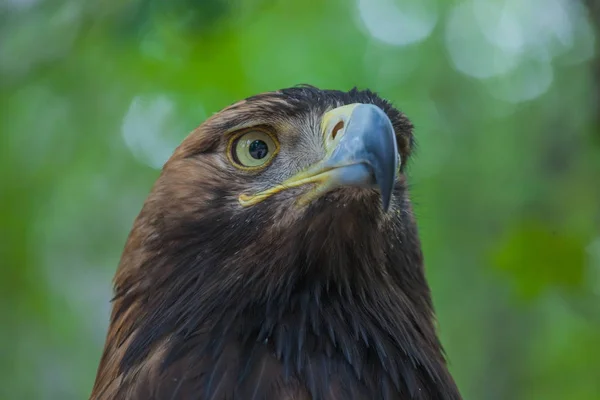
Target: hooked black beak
pixel 361 151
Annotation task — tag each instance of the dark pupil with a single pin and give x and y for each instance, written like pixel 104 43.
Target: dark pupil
pixel 258 149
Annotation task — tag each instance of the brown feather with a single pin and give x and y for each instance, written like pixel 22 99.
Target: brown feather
pixel 216 301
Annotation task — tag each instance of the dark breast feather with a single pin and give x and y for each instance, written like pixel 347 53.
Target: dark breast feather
pixel 341 355
pixel 331 326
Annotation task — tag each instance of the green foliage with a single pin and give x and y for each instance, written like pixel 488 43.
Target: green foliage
pixel 536 257
pixel 95 95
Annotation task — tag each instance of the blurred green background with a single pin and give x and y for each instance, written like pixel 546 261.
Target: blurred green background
pixel 504 94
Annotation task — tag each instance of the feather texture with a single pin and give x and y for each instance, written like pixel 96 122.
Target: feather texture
pixel 215 301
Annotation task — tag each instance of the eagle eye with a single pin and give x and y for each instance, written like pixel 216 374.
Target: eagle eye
pixel 253 149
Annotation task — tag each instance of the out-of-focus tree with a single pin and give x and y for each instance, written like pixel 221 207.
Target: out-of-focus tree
pixel 95 95
pixel 594 10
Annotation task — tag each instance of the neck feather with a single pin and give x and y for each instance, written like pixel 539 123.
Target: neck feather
pixel 357 301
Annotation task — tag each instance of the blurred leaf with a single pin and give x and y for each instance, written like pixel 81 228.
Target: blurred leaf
pixel 536 256
pixel 138 17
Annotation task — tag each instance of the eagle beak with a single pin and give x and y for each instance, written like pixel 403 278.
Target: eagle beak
pixel 361 151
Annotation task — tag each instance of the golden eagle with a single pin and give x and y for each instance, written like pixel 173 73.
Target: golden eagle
pixel 277 257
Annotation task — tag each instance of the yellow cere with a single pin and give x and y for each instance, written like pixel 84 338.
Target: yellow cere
pixel 331 121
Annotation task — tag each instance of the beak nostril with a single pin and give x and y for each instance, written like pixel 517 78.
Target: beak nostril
pixel 338 127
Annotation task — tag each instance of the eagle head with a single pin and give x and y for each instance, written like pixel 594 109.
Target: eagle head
pixel 277 255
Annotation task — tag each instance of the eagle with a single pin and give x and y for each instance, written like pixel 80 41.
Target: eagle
pixel 277 257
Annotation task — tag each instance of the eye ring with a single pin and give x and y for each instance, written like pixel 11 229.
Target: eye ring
pixel 253 135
